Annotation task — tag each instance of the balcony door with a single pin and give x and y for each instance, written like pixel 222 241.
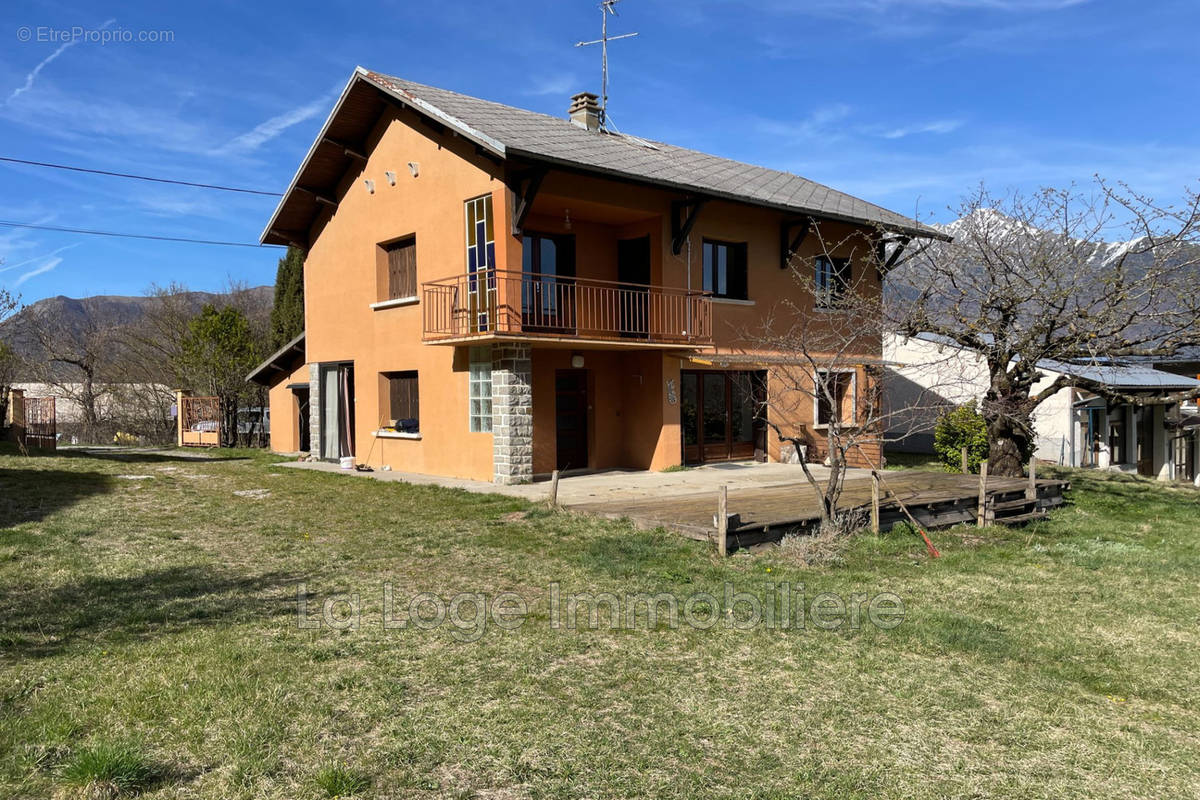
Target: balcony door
pixel 548 284
pixel 633 273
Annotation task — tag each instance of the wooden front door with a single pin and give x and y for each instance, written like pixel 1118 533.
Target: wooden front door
pixel 571 418
pixel 720 415
pixel 633 273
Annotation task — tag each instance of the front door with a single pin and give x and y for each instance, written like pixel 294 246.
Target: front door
pixel 720 415
pixel 571 418
pixel 633 273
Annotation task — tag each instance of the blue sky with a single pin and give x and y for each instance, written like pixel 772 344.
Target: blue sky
pixel 907 103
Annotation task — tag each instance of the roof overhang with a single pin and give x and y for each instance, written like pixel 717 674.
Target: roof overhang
pixel 918 231
pixel 342 141
pixel 280 364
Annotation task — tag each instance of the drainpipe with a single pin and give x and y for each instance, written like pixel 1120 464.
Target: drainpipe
pixel 689 283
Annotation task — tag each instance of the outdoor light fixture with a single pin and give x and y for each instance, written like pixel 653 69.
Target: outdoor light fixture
pixel 414 168
pixel 370 184
pixel 391 177
pixel 577 361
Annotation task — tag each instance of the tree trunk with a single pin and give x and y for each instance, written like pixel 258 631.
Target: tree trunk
pixel 1008 443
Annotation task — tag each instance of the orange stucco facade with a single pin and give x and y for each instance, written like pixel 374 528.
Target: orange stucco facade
pixel 421 177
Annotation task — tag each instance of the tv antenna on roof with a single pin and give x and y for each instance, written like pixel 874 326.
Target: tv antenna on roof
pixel 606 7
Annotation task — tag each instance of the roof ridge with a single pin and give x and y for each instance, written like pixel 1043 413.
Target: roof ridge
pixel 624 134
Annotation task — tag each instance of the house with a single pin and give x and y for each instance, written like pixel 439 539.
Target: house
pixel 1154 434
pixel 493 293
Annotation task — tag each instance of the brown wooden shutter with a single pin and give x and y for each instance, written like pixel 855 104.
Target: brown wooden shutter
pixel 405 398
pixel 402 269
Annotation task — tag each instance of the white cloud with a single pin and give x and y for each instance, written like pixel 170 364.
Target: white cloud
pixel 563 85
pixel 33 74
pixel 45 267
pixel 936 126
pixel 264 132
pixel 8 267
pixel 824 122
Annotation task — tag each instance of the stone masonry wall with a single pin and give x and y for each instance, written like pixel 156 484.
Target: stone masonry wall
pixel 512 413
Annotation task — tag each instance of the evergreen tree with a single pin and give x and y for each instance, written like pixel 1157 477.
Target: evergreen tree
pixel 216 353
pixel 287 315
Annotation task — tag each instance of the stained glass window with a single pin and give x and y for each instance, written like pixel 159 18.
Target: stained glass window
pixel 481 257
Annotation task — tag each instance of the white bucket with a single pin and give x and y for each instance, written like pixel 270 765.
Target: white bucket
pixel 347 462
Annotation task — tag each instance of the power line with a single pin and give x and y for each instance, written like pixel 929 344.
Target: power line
pixel 9 224
pixel 139 177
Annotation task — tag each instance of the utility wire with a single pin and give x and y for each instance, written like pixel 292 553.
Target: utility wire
pixel 139 177
pixel 9 224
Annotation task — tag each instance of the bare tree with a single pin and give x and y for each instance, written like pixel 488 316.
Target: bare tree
pixel 1034 277
pixel 827 376
pixel 150 361
pixel 10 363
pixel 77 362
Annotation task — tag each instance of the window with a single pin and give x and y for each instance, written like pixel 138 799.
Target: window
pixel 481 257
pixel 831 280
pixel 404 403
pixel 835 397
pixel 480 392
pixel 481 246
pixel 401 268
pixel 725 269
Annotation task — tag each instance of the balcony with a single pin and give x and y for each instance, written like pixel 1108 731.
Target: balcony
pixel 497 304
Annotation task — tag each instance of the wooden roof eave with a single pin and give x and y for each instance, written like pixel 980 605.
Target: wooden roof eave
pixel 274 233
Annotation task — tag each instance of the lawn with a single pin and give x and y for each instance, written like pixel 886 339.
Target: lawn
pixel 152 643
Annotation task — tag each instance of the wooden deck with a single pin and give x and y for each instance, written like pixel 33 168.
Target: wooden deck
pixel 935 499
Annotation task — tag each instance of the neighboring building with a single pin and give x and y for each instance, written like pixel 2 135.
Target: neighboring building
pixel 1075 427
pixel 493 293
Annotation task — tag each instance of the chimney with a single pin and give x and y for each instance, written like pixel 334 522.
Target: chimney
pixel 585 111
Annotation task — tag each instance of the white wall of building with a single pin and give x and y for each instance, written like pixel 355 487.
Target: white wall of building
pixel 928 377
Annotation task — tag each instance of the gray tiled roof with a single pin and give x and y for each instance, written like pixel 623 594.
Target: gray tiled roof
pixel 509 131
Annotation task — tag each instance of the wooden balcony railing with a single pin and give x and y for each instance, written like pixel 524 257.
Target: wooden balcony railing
pixel 501 303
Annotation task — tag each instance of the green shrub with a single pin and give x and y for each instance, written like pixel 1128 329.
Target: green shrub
pixel 961 426
pixel 108 770
pixel 339 780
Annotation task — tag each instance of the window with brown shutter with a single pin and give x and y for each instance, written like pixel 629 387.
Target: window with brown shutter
pixel 401 268
pixel 404 401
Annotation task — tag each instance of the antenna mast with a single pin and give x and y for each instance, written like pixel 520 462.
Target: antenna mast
pixel 606 7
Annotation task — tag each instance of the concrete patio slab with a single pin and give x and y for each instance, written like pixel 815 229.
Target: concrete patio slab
pixel 611 486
